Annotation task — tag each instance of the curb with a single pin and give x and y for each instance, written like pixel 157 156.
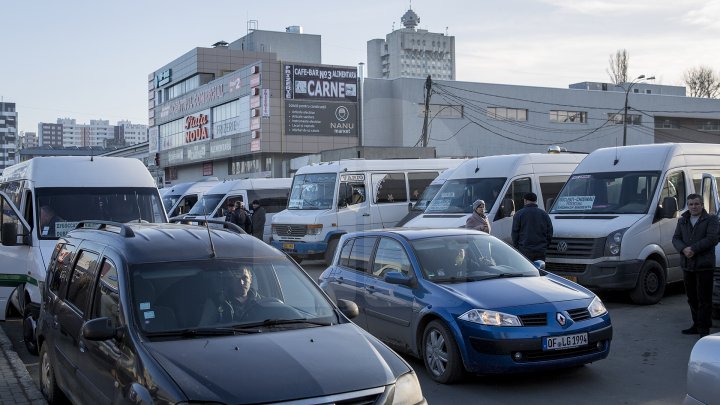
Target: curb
pixel 16 385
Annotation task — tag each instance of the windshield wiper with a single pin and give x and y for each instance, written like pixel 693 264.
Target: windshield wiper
pixel 276 322
pixel 504 275
pixel 197 332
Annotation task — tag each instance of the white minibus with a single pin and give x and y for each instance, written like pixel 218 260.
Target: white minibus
pixel 180 199
pixel 330 199
pixel 501 181
pixel 417 208
pixel 614 219
pixel 44 198
pixel 271 193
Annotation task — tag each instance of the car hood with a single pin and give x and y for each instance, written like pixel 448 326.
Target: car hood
pixel 259 367
pixel 514 292
pixel 590 226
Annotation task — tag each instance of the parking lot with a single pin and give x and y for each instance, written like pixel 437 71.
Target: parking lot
pixel 647 362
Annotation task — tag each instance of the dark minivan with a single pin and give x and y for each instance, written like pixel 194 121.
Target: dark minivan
pixel 175 313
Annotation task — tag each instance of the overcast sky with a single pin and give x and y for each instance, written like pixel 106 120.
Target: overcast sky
pixel 90 59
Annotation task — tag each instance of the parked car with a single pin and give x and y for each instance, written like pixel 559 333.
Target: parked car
pixel 463 300
pixel 703 375
pixel 176 313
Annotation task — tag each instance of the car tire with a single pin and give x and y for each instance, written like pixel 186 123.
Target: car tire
pixel 650 287
pixel 48 385
pixel 29 330
pixel 330 252
pixel 440 354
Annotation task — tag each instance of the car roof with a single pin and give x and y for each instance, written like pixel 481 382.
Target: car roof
pixel 167 242
pixel 417 233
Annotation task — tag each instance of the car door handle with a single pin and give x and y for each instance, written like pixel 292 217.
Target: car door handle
pixel 366 214
pixel 340 280
pixel 370 289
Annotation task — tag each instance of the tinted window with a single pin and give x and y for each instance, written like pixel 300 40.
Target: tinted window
pixel 390 256
pixel 674 187
pixel 360 254
pixel 62 268
pixel 389 188
pixel 273 200
pixel 517 190
pixel 418 182
pixel 107 299
pixel 345 253
pixel 550 187
pixel 81 280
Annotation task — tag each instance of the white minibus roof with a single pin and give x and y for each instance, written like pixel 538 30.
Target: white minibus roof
pixel 388 164
pixel 507 165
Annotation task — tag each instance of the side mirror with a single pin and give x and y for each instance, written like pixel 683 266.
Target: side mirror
pixel 410 205
pixel 396 277
pixel 669 207
pixel 98 329
pixel 9 234
pixel 348 308
pixel 539 264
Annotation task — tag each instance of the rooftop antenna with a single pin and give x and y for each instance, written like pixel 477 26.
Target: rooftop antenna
pixel 615 162
pixel 207 226
pixel 477 161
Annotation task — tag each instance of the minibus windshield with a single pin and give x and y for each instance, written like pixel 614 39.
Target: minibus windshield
pixel 206 204
pixel 607 193
pixel 61 208
pixel 312 191
pixel 458 195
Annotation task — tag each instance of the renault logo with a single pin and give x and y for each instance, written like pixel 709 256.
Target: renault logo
pixel 561 319
pixel 562 246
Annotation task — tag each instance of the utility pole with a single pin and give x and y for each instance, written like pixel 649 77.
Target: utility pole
pixel 428 88
pixel 627 93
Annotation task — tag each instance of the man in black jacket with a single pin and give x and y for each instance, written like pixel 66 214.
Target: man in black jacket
pixel 695 238
pixel 532 229
pixel 258 220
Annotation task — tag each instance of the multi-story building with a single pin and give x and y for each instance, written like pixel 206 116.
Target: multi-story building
pixel 412 52
pixel 99 133
pixel 127 133
pixel 8 134
pixel 236 110
pixel 50 135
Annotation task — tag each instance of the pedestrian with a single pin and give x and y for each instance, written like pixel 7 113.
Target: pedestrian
pixel 696 235
pixel 243 217
pixel 532 229
pixel 258 220
pixel 478 220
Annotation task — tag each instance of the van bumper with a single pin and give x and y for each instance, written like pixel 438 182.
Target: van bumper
pixel 300 249
pixel 603 275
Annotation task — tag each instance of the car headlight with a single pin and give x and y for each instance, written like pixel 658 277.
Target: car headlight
pixel 596 308
pixel 490 318
pixel 314 229
pixel 614 242
pixel 407 390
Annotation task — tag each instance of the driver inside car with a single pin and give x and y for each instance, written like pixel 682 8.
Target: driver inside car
pixel 234 301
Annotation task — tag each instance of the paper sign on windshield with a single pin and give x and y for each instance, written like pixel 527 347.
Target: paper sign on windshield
pixel 575 203
pixel 62 228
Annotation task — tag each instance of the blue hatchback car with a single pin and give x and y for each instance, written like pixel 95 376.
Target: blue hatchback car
pixel 463 300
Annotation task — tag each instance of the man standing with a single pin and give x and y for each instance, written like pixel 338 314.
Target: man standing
pixel 532 229
pixel 695 238
pixel 258 220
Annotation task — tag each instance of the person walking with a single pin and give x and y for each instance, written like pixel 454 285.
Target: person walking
pixel 478 220
pixel 242 217
pixel 696 235
pixel 258 219
pixel 532 229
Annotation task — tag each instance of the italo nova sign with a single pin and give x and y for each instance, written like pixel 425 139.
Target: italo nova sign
pixel 196 127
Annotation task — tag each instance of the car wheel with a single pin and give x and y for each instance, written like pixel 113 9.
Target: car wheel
pixel 650 287
pixel 48 384
pixel 330 252
pixel 29 325
pixel 440 353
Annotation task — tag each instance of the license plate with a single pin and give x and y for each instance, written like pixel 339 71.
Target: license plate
pixel 571 278
pixel 565 342
pixel 289 246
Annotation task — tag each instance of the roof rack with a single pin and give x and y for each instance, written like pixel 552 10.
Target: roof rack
pixel 125 230
pixel 202 222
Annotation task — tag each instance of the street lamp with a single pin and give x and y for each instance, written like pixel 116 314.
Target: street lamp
pixel 627 93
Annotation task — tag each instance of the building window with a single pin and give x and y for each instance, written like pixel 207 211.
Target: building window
pixel 570 117
pixel 632 119
pixel 507 114
pixel 713 125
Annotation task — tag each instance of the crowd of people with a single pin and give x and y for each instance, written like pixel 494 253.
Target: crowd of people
pixel 252 223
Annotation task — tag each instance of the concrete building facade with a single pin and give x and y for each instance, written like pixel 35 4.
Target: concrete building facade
pixel 8 134
pixel 412 52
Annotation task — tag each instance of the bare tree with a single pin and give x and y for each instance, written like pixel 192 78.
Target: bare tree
pixel 702 81
pixel 619 66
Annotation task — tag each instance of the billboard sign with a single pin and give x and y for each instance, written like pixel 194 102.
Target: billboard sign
pixel 320 83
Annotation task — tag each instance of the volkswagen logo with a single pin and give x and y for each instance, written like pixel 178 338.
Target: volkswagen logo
pixel 561 319
pixel 562 246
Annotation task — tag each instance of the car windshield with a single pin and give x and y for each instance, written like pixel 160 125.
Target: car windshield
pixel 62 208
pixel 458 195
pixel 186 298
pixel 312 191
pixel 427 196
pixel 169 200
pixel 206 204
pixel 607 193
pixel 470 257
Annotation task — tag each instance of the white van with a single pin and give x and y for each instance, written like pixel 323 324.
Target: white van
pixel 330 199
pixel 271 193
pixel 614 220
pixel 501 181
pixel 180 199
pixel 430 191
pixel 45 197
